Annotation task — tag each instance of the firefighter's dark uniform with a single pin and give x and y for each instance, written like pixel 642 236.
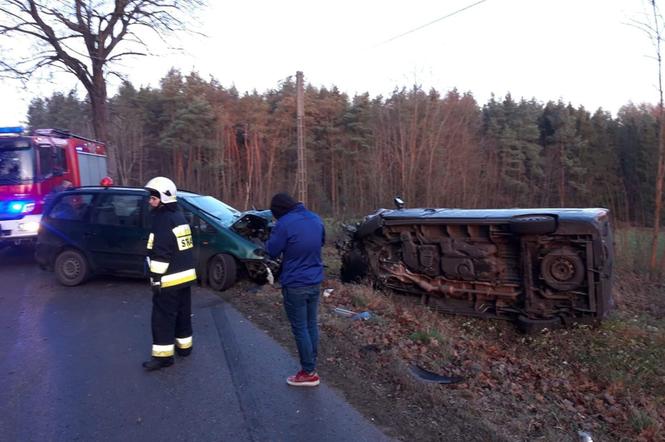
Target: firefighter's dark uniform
pixel 172 273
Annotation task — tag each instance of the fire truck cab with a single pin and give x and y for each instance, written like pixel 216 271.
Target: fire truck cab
pixel 34 164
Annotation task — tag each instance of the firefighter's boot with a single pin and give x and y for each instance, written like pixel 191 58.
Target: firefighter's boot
pixel 158 363
pixel 184 352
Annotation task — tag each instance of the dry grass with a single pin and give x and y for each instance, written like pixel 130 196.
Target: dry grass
pixel 608 381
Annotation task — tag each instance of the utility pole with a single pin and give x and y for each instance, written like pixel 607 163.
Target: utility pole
pixel 302 162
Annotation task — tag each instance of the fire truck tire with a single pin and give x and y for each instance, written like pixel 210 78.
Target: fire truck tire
pixel 71 268
pixel 222 271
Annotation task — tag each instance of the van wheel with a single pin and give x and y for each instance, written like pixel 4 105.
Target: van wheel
pixel 562 269
pixel 222 271
pixel 71 268
pixel 530 326
pixel 354 266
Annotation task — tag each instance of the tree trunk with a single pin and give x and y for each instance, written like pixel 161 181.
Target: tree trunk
pixel 99 105
pixel 659 195
pixel 333 184
pixel 661 150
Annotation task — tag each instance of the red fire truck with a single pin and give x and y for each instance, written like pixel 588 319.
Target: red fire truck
pixel 34 164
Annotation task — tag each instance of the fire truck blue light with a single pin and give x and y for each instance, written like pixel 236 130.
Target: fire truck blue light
pixel 21 206
pixel 11 130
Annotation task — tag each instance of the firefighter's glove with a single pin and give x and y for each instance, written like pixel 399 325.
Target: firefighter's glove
pixel 156 285
pixel 269 276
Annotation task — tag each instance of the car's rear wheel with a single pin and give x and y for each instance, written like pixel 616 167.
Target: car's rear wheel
pixel 222 271
pixel 533 224
pixel 71 268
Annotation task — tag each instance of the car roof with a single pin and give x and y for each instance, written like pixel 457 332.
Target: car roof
pixel 124 189
pixel 108 189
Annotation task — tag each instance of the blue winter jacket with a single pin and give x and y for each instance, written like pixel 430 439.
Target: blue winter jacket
pixel 298 236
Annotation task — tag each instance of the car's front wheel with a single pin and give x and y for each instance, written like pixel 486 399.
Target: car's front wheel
pixel 71 268
pixel 222 271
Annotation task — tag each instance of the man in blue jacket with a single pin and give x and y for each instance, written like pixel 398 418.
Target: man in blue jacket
pixel 298 236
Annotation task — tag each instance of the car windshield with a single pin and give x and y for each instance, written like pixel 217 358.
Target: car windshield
pixel 16 163
pixel 226 214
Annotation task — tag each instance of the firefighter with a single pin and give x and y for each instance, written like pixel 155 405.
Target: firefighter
pixel 171 265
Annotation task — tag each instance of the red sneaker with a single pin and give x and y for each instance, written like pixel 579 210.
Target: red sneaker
pixel 304 379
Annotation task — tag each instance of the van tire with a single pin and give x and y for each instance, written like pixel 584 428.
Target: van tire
pixel 530 326
pixel 71 268
pixel 222 271
pixel 354 266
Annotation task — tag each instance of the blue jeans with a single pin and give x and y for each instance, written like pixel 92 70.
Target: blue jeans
pixel 301 305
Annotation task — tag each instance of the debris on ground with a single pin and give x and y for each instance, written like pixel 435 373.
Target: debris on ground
pixel 429 376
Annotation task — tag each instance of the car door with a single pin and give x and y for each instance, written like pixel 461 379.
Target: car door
pixel 119 233
pixel 203 234
pixel 66 224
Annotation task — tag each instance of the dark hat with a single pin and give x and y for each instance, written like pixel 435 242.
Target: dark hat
pixel 281 204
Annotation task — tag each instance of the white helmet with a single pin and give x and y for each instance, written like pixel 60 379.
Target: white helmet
pixel 164 187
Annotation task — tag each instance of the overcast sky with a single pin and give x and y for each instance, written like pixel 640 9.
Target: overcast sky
pixel 581 51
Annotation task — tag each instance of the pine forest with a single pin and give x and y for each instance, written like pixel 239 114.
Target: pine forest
pixel 432 148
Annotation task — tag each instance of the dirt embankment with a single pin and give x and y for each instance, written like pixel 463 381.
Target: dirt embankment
pixel 608 381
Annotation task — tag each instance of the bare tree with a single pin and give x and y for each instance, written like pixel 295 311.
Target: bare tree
pixel 85 38
pixel 652 28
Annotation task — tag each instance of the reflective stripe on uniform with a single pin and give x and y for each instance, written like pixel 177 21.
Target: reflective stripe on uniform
pixel 183 235
pixel 162 351
pixel 158 267
pixel 151 240
pixel 178 278
pixel 182 230
pixel 183 342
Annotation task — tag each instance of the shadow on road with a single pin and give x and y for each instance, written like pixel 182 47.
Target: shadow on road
pixel 17 255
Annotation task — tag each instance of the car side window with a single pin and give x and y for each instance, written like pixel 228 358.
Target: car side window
pixel 118 210
pixel 205 227
pixel 197 223
pixel 71 207
pixel 189 216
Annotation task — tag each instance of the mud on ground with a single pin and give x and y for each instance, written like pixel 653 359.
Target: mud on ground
pixel 608 382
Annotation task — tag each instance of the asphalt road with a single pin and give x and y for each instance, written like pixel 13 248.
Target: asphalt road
pixel 70 370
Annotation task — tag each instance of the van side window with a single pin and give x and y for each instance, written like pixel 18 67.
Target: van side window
pixel 71 207
pixel 118 210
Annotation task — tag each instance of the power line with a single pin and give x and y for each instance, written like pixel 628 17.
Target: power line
pixel 432 22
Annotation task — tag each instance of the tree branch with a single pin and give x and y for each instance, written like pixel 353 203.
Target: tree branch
pixel 124 54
